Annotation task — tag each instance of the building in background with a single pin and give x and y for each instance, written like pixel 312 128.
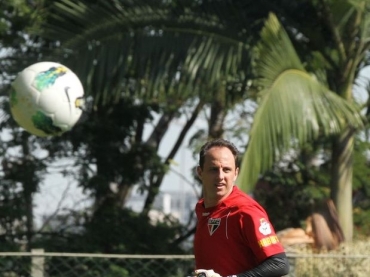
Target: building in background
pixel 180 205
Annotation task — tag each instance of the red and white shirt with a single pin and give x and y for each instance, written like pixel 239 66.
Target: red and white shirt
pixel 234 236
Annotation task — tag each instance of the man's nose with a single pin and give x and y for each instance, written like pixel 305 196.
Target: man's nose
pixel 221 173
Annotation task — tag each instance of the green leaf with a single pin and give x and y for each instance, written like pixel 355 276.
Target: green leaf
pixel 294 107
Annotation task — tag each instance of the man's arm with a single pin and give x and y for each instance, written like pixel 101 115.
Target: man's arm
pixel 274 266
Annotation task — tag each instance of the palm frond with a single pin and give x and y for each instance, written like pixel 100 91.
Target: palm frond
pixel 294 107
pixel 168 52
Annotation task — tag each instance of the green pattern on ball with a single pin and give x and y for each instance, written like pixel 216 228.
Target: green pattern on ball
pixel 45 123
pixel 48 77
pixel 13 98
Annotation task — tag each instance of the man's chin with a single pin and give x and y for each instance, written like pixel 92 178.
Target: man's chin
pixel 221 193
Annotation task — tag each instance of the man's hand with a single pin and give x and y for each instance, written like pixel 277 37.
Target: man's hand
pixel 206 273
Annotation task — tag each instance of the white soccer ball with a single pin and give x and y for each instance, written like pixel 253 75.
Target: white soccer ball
pixel 46 99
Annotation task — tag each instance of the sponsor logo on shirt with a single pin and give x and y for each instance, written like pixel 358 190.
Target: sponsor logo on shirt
pixel 213 224
pixel 265 228
pixel 268 241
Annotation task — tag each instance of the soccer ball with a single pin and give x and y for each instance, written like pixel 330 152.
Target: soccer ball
pixel 46 99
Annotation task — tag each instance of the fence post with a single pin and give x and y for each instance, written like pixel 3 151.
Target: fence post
pixel 37 263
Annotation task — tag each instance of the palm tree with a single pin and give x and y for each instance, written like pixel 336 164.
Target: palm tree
pixel 297 105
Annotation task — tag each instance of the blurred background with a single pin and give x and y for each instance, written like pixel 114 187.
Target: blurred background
pixel 286 81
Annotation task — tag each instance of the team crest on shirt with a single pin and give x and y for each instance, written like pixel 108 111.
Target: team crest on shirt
pixel 265 228
pixel 213 224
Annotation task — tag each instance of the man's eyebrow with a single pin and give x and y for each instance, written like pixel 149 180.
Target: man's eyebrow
pixel 223 167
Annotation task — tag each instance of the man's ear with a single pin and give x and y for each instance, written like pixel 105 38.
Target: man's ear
pixel 236 173
pixel 199 171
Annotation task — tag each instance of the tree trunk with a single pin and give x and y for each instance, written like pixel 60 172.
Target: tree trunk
pixel 341 180
pixel 157 180
pixel 29 217
pixel 217 118
pixel 29 187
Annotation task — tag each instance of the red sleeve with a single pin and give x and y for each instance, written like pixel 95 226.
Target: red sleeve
pixel 260 234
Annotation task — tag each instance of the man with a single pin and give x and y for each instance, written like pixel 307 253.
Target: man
pixel 234 237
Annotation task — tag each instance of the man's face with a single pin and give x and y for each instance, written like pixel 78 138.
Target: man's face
pixel 217 175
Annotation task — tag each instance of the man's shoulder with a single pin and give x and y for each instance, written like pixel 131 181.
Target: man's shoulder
pixel 242 200
pixel 239 195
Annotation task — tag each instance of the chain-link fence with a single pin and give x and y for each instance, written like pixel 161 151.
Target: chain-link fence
pixel 40 264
